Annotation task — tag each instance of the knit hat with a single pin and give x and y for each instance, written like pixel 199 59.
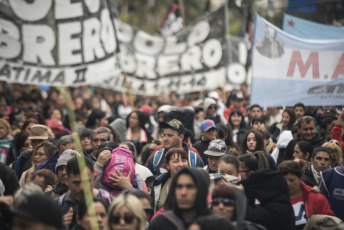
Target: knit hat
pixel 39 132
pixel 65 157
pixel 38 207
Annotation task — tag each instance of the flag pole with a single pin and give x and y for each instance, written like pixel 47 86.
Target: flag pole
pixel 181 5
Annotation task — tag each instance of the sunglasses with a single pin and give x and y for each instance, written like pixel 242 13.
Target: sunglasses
pixel 128 218
pixel 225 202
pixel 212 107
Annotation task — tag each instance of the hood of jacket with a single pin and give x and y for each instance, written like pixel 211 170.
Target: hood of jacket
pixel 207 102
pixel 284 139
pixel 202 181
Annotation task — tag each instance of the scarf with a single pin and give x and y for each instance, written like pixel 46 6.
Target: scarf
pixel 316 174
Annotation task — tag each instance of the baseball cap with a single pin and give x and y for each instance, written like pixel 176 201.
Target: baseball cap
pixel 173 124
pixel 216 148
pixel 39 132
pixel 207 124
pixel 237 96
pixel 35 207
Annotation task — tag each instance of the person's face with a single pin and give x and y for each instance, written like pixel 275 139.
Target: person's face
pixel 243 170
pixel 98 139
pixel 160 117
pixel 307 131
pixel 21 223
pixel 172 139
pixel 210 134
pixel 176 163
pixel 100 214
pixel 298 154
pixel 237 104
pixel 3 132
pixel 211 110
pixel 78 103
pixel 27 129
pixel 62 148
pixel 27 145
pixel 223 208
pixel 62 175
pixel 236 120
pixel 228 169
pixel 134 120
pixel 124 219
pixel 40 181
pixel 76 187
pixel 56 114
pixel 293 183
pixel 213 163
pixel 35 142
pixel 285 119
pixel 299 112
pixel 258 125
pixel 328 130
pixel 251 142
pixel 321 161
pixel 86 143
pixel 96 103
pixel 147 207
pixel 39 156
pixel 255 112
pixel 186 192
pixel 103 122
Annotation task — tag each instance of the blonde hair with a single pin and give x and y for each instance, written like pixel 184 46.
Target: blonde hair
pixel 133 204
pixel 336 152
pixel 49 149
pixel 7 126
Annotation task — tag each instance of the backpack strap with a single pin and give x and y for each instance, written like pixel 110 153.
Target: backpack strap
pixel 157 158
pixel 169 215
pixel 192 158
pixel 60 201
pixel 105 194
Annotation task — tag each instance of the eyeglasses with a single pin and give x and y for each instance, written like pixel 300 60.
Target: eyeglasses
pixel 225 202
pixel 128 218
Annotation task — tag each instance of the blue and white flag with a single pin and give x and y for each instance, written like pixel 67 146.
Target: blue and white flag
pixel 287 70
pixel 311 30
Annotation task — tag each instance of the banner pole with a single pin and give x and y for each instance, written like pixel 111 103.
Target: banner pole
pixel 181 5
pixel 81 162
pixel 130 96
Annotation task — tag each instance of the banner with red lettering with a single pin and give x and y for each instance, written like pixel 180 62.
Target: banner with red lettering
pixel 287 69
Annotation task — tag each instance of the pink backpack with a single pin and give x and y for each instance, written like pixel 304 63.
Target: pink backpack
pixel 122 160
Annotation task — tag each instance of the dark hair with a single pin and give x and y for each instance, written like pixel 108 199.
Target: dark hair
pixel 139 194
pixel 179 151
pixel 260 119
pixel 259 142
pixel 73 166
pixel 237 112
pixel 86 133
pixel 19 141
pixel 292 117
pixel 307 120
pixel 291 167
pixel 223 191
pixel 299 105
pixel 223 130
pixel 95 114
pixel 49 176
pixel 107 145
pixel 142 118
pixel 305 147
pixel 321 149
pixel 266 135
pixel 255 106
pixel 325 122
pixel 255 161
pixel 82 207
pixel 230 159
pixel 112 131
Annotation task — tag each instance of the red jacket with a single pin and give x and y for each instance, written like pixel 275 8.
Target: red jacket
pixel 337 134
pixel 315 203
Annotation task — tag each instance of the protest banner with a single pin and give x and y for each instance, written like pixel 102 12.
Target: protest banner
pixel 56 42
pixel 311 30
pixel 287 70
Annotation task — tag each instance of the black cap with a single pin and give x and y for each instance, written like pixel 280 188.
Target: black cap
pixel 174 124
pixel 38 207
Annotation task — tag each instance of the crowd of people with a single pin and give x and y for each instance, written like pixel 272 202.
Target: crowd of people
pixel 204 160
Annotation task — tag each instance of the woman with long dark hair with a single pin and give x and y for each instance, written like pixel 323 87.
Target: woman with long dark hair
pixel 237 123
pixel 288 119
